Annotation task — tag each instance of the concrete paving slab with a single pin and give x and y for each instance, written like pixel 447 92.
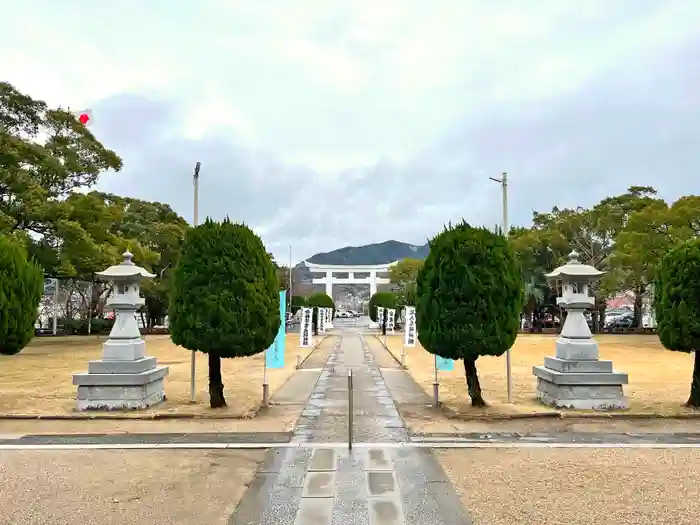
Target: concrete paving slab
pixel 315 511
pixel 385 511
pixel 381 484
pixel 377 460
pixel 323 459
pixel 319 485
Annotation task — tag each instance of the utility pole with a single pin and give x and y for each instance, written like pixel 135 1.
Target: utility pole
pixel 289 299
pixel 193 364
pixel 503 181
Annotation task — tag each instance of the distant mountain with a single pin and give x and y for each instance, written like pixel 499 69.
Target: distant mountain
pixel 380 253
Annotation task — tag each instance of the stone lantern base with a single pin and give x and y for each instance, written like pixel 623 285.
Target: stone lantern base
pixel 576 378
pixel 123 379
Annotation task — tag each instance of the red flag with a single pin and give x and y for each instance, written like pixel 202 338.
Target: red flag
pixel 84 116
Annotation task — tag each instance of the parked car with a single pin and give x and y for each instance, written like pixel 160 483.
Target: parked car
pixel 625 320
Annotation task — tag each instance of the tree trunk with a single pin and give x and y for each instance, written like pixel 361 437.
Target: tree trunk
pixel 216 385
pixel 694 399
pixel 473 386
pixel 595 317
pixel 638 295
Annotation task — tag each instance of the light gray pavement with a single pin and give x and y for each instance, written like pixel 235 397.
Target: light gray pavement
pixel 331 486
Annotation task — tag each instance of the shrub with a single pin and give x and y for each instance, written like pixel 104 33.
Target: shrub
pixel 225 297
pixel 677 303
pixel 383 299
pixel 470 295
pixel 21 288
pixel 80 326
pixel 297 302
pixel 321 300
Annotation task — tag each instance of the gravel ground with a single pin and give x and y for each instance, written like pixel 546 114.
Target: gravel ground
pixel 125 488
pixel 577 487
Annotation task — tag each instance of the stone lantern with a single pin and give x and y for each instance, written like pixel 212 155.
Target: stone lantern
pixel 576 377
pixel 125 378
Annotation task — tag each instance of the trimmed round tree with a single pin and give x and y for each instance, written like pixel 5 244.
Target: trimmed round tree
pixel 319 300
pixel 297 302
pixel 383 299
pixel 677 305
pixel 469 299
pixel 21 288
pixel 225 297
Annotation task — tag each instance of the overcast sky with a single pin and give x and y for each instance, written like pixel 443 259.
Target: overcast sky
pixel 324 123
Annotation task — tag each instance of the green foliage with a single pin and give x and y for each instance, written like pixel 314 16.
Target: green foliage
pixel 225 296
pixel 320 299
pixel 45 156
pixel 383 299
pixel 21 288
pixel 470 294
pixel 678 298
pixel 297 302
pixel 677 305
pixel 405 271
pixel 82 327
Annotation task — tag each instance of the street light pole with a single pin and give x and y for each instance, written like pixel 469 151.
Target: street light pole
pixel 289 299
pixel 193 363
pixel 503 181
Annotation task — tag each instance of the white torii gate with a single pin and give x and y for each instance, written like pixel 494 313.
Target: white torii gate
pixel 329 280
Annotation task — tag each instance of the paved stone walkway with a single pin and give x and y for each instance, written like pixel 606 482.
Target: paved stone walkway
pixel 331 486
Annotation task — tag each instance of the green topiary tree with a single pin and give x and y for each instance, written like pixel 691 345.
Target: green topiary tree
pixel 298 301
pixel 677 303
pixel 21 288
pixel 383 299
pixel 225 297
pixel 324 301
pixel 470 295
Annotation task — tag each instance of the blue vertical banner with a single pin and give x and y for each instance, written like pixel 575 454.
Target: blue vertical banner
pixel 444 364
pixel 274 356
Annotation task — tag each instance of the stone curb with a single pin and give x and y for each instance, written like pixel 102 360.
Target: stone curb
pixel 378 337
pixel 145 417
pixel 452 414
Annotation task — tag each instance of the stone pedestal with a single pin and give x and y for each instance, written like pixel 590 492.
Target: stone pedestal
pixel 123 379
pixel 576 378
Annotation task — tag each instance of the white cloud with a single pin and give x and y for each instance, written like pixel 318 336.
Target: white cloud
pixel 358 110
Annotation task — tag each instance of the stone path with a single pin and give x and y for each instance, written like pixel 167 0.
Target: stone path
pixel 331 486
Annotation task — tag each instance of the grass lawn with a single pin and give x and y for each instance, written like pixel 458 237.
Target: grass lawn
pixel 39 380
pixel 659 379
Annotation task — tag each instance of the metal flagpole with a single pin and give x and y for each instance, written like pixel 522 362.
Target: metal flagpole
pixel 193 364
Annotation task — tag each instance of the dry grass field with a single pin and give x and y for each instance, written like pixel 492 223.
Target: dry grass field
pixel 659 379
pixel 38 380
pixel 576 487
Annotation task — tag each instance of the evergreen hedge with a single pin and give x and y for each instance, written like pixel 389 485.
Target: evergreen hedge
pixel 21 289
pixel 677 304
